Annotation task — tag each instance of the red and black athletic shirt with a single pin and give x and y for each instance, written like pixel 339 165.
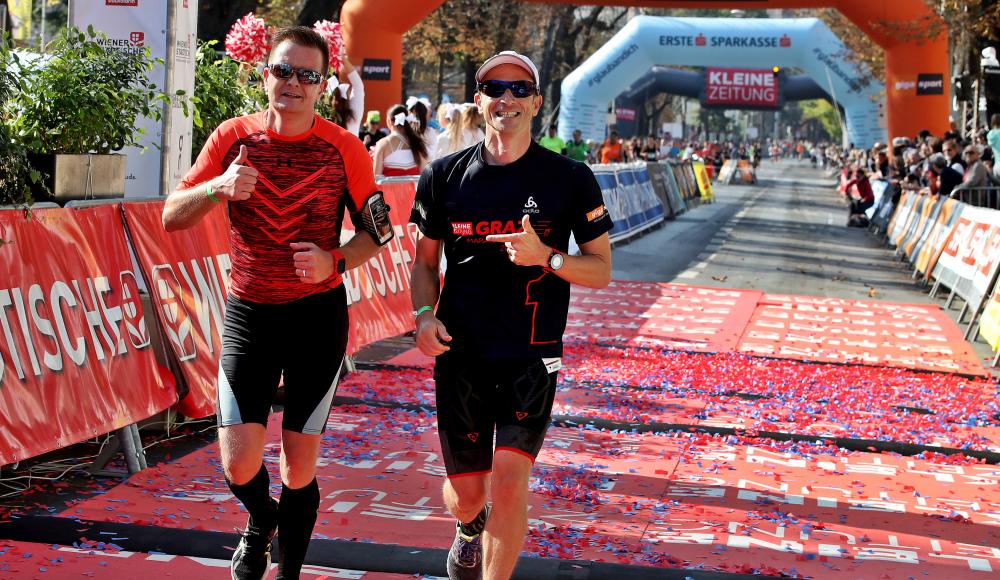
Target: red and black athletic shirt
pixel 304 184
pixel 490 306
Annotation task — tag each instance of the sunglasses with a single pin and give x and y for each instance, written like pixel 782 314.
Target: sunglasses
pixel 285 72
pixel 496 89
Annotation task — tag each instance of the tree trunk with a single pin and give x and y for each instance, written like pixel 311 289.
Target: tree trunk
pixel 470 78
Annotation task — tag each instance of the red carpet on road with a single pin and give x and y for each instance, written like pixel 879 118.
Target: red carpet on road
pixel 700 319
pixel 678 478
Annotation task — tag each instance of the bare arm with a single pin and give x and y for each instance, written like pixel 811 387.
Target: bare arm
pixel 379 154
pixel 185 208
pixel 425 289
pixel 314 265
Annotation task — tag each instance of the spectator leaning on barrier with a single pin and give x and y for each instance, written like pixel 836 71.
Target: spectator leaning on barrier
pixel 952 153
pixel 976 174
pixel 577 149
pixel 503 212
pixel 942 179
pixel 553 142
pixel 287 309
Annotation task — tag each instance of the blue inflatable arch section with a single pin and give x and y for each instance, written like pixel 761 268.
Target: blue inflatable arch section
pixel 646 41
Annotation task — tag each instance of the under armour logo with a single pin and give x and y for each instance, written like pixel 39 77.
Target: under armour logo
pixel 530 203
pixel 520 415
pixel 473 437
pixel 286 162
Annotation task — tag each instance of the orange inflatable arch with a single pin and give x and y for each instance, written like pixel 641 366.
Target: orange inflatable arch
pixel 373 30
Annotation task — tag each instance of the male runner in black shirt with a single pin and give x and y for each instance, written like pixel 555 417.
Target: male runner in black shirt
pixel 503 211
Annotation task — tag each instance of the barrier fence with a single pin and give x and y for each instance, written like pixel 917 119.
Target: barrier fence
pixel 76 359
pixel 952 245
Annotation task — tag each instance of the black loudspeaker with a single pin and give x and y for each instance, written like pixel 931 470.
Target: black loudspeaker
pixel 991 90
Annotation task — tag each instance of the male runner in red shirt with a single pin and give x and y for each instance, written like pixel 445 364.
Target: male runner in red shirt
pixel 285 176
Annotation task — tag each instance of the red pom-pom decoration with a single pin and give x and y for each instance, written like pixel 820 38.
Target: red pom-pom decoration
pixel 334 39
pixel 248 40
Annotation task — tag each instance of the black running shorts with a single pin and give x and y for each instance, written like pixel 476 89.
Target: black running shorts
pixel 476 397
pixel 303 340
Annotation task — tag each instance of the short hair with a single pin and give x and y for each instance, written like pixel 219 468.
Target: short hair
pixel 995 120
pixel 302 36
pixel 939 161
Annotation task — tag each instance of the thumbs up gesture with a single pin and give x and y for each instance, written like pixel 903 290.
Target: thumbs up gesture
pixel 239 180
pixel 524 248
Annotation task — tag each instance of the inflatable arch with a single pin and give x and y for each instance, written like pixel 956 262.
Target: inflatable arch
pixel 373 29
pixel 804 43
pixel 692 84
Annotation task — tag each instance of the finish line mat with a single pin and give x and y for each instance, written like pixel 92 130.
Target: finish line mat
pixel 701 319
pixel 666 501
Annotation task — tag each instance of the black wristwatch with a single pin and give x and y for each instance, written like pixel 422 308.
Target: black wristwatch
pixel 339 262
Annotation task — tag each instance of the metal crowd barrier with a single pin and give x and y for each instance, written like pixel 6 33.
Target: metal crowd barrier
pixel 988 197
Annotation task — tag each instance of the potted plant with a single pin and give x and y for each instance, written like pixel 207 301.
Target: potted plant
pixel 76 104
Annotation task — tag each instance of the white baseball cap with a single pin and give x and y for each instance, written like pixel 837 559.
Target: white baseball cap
pixel 507 57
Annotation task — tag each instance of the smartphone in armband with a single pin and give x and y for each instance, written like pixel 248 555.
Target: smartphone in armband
pixel 375 218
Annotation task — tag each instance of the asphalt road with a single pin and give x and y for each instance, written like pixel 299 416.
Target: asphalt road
pixel 787 234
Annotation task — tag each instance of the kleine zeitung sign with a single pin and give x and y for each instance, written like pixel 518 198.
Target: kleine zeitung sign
pixel 741 87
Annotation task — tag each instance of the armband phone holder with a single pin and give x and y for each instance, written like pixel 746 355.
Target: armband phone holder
pixel 375 218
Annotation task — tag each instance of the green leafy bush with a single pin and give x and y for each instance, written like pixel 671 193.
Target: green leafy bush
pixel 223 89
pixel 84 97
pixel 16 175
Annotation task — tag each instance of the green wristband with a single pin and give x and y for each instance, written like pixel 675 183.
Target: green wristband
pixel 421 310
pixel 210 195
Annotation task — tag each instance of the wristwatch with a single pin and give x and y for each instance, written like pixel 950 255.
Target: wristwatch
pixel 556 260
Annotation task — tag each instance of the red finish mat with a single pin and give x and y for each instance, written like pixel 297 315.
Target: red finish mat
pixel 914 336
pixel 641 386
pixel 674 316
pixel 830 515
pixel 731 504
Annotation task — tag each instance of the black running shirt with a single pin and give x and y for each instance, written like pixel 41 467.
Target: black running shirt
pixel 490 306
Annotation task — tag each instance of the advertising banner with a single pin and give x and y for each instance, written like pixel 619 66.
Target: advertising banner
pixel 741 87
pixel 704 181
pixel 131 25
pixel 187 273
pixel 971 252
pixel 989 323
pixel 930 250
pixel 75 356
pixel 378 292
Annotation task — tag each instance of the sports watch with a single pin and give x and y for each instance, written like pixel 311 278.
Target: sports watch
pixel 339 262
pixel 556 260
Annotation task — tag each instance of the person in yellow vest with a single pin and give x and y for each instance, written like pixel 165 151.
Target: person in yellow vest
pixel 553 142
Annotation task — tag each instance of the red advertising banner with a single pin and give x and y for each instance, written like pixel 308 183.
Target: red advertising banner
pixel 741 87
pixel 75 356
pixel 379 291
pixel 188 276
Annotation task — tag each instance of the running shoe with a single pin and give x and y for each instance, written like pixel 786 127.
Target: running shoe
pixel 465 558
pixel 252 557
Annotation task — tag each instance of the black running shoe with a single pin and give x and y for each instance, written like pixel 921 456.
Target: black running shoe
pixel 252 557
pixel 465 558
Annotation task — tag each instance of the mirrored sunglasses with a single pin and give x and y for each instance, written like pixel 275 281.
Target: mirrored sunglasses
pixel 285 72
pixel 496 89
